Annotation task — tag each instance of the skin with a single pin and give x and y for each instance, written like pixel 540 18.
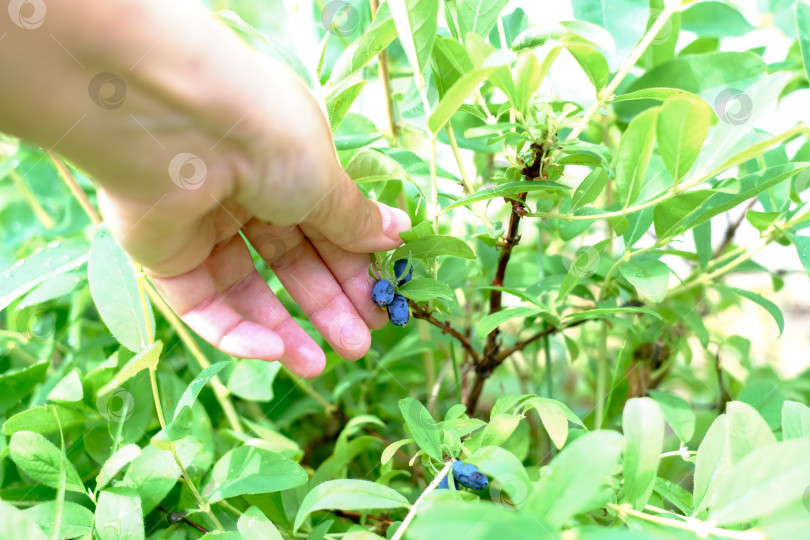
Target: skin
pixel 192 137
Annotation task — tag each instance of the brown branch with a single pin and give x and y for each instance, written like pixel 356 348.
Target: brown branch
pixel 491 357
pixel 421 312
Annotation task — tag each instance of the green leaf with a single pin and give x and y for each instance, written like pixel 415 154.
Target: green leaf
pixel 478 16
pixel 254 524
pixel 422 427
pixel 15 384
pixel 371 165
pixel 528 76
pixel 37 457
pixel 69 389
pixel 714 19
pixel 392 448
pixel 116 294
pixel 762 220
pixel 680 131
pixel 577 478
pixel 424 289
pixel 119 515
pixel 626 20
pixel 361 52
pixel 120 459
pixel 76 519
pixel 505 190
pixel 179 427
pixel 692 208
pixel 795 420
pixel 802 245
pixel 494 320
pixel 146 359
pixel 677 413
pixel 660 94
pixel 53 260
pixel 433 246
pixel 699 72
pixel 592 63
pixel 348 495
pixel 769 306
pixel 504 471
pixel 19 524
pixel 633 156
pixel 670 215
pixel 650 277
pixel 337 106
pixel 730 438
pixel 457 93
pixel 50 289
pixel 42 420
pixel 590 188
pixel 803 33
pixel 554 417
pixel 249 470
pixel 416 22
pixel 643 427
pixel 195 386
pixel 762 483
pixel 253 379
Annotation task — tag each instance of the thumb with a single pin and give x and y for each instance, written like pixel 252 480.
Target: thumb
pixel 345 217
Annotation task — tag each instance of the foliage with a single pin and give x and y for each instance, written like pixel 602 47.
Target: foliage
pixel 559 293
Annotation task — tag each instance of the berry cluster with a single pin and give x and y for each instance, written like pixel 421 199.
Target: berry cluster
pixel 465 475
pixel 384 296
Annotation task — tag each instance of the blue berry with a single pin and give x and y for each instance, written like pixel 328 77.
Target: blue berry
pixel 398 312
pixel 469 476
pixel 399 269
pixel 383 292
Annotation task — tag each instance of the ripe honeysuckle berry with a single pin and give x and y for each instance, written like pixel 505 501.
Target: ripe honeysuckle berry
pixel 399 269
pixel 383 292
pixel 398 312
pixel 469 476
pixel 444 484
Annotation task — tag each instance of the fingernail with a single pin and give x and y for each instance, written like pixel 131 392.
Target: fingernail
pixel 394 221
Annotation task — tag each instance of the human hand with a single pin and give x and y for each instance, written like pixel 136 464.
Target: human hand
pixel 207 140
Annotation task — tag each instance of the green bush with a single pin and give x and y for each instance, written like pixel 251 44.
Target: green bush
pixel 564 262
